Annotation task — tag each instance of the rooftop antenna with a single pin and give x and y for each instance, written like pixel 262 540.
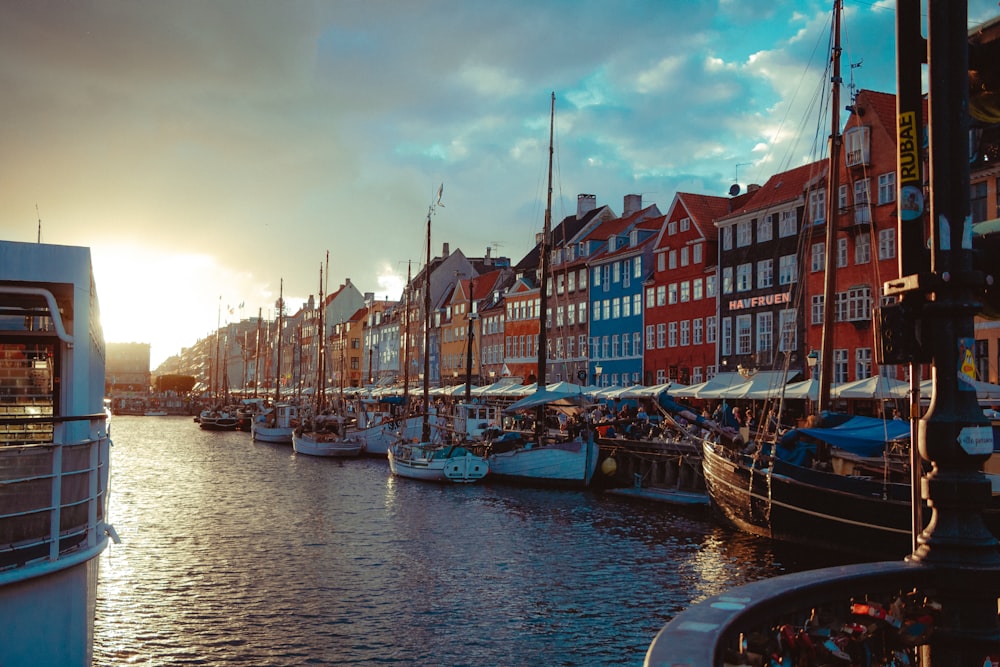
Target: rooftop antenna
pixel 39 223
pixel 852 86
pixel 734 189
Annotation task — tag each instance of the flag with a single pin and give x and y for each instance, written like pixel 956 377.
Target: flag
pixel 440 193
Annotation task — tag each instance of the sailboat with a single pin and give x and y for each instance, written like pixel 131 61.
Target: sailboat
pixel 277 424
pixel 324 433
pixel 543 460
pixel 219 417
pixel 425 459
pixel 843 482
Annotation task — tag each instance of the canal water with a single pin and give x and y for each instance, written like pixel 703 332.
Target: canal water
pixel 242 553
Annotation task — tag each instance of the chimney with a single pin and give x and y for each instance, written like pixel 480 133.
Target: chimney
pixel 585 204
pixel 445 251
pixel 632 204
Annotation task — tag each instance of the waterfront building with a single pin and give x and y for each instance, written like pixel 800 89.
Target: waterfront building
pixel 760 260
pixel 619 261
pixel 865 228
pixel 681 294
pixel 569 293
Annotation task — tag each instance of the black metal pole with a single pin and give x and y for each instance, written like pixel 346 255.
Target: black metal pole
pixel 954 435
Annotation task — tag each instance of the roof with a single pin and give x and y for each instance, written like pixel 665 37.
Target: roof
pixel 782 188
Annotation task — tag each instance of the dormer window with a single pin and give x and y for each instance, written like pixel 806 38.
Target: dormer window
pixel 857 146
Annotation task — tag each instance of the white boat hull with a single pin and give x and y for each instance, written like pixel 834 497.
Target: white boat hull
pixel 281 435
pixel 570 463
pixel 313 444
pixel 380 437
pixel 437 463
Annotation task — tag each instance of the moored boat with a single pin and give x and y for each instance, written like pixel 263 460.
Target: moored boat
pixel 54 457
pixel 325 436
pixel 436 463
pixel 277 424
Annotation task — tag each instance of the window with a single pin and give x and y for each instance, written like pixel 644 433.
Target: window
pixel 697 289
pixel 661 261
pixel 637 267
pixel 685 333
pixel 710 287
pixel 606 276
pixel 637 304
pixel 842 200
pixel 727 238
pixel 616 272
pixel 862 249
pixel 817 206
pixel 841 253
pixel 615 346
pixel 653 296
pixel 661 335
pixel 685 256
pixel 765 331
pixel 606 309
pixel 856 146
pixel 887 188
pixel 765 273
pixel 788 224
pixel 816 309
pixel 978 201
pixel 582 312
pixel 786 320
pixel 696 252
pixel 817 259
pixel 626 306
pixel 744 233
pixel 697 327
pixel 672 335
pixel 671 228
pixel 597 310
pixel 583 278
pixel 727 280
pixel 672 260
pixel 863 362
pixel 765 228
pixel 616 308
pixel 685 224
pixel 626 351
pixel 685 291
pixel 744 275
pixel 727 337
pixel 840 366
pixel 597 276
pixel 887 243
pixel 859 304
pixel 743 334
pixel 637 342
pixel 786 270
pixel 710 329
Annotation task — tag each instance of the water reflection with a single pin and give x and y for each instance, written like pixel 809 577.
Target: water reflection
pixel 242 553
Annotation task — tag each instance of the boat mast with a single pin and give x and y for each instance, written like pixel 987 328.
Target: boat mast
pixel 543 283
pixel 320 361
pixel 277 372
pixel 256 358
pixel 425 432
pixel 406 335
pixel 832 208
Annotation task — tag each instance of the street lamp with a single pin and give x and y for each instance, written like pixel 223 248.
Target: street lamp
pixel 597 374
pixel 811 360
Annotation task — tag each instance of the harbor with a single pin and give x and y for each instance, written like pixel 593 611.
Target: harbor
pixel 235 552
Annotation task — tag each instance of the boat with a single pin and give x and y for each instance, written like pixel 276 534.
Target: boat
pixel 323 433
pixel 277 424
pixel 544 459
pixel 218 419
pixel 426 459
pixel 379 423
pixel 841 482
pixel 54 455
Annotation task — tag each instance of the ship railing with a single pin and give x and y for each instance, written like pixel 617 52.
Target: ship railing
pixel 53 496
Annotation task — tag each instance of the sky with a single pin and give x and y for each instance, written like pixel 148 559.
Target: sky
pixel 208 150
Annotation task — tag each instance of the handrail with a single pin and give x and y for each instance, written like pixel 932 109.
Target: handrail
pixel 705 632
pixel 50 299
pixel 8 420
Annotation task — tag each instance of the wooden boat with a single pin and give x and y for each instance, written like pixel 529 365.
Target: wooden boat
pixel 424 459
pixel 277 424
pixel 324 435
pixel 542 459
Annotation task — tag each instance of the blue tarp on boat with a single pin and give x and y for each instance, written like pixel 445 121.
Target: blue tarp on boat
pixel 863 436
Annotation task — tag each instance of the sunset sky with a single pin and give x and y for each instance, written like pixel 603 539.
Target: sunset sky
pixel 205 150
